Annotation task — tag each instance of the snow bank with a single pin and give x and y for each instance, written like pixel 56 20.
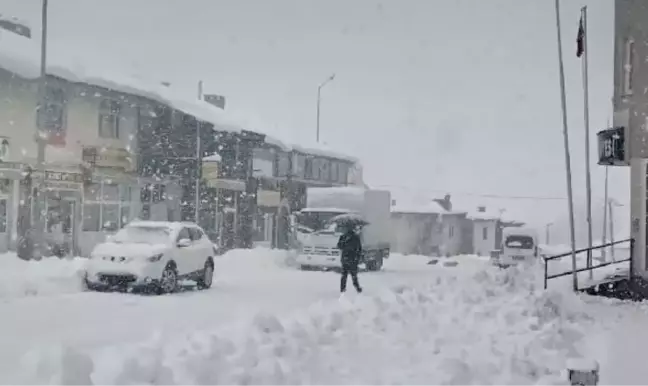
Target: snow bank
pixel 20 278
pixel 493 327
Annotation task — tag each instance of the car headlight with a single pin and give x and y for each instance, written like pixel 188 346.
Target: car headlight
pixel 155 258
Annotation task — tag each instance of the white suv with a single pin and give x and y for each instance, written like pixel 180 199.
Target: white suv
pixel 152 255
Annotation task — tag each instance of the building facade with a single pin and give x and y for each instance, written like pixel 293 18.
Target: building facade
pixel 631 113
pixel 90 186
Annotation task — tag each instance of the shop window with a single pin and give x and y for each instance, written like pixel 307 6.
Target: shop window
pixel 110 216
pixel 109 115
pixel 91 217
pixel 106 207
pixel 3 215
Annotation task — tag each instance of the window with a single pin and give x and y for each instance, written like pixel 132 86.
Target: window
pixel 451 231
pixel 54 113
pixel 283 164
pixel 627 67
pixel 308 169
pixel 325 171
pixel 3 215
pixel 343 173
pixel 195 234
pixel 300 166
pixel 519 242
pixel 106 206
pixel 109 115
pixel 485 233
pixel 335 175
pixel 184 234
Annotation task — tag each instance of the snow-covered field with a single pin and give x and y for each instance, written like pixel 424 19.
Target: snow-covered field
pixel 266 322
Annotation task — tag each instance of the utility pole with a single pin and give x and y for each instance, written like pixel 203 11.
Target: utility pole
pixel 198 160
pixel 605 216
pixel 563 103
pixel 611 206
pixel 38 193
pixel 319 100
pixel 588 176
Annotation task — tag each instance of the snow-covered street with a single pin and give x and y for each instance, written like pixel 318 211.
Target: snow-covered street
pixel 265 321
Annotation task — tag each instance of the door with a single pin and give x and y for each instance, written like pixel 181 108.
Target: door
pixel 69 225
pixel 202 248
pixel 183 256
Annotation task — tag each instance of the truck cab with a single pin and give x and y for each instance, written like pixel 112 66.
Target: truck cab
pixel 317 227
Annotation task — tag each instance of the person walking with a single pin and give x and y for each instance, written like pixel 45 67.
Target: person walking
pixel 351 247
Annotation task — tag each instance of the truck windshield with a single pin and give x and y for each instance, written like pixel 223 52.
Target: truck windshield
pixel 519 242
pixel 316 221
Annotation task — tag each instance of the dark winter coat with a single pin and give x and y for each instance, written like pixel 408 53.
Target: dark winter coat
pixel 351 247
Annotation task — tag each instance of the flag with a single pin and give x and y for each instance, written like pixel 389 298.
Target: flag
pixel 580 38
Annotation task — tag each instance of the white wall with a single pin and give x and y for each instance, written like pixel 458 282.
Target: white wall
pixel 483 246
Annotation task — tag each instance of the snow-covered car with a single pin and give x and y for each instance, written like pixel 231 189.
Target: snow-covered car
pixel 152 255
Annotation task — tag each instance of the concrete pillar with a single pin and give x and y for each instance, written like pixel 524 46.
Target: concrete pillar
pixel 638 177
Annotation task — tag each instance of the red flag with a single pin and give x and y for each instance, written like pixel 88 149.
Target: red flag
pixel 580 39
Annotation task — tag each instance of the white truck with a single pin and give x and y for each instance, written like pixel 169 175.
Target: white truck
pixel 318 231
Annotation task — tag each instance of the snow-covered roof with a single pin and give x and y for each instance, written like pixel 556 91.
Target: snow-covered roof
pixel 317 149
pixel 213 158
pixel 407 201
pixel 21 56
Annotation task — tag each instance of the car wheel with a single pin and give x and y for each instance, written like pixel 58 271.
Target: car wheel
pixel 168 281
pixel 205 281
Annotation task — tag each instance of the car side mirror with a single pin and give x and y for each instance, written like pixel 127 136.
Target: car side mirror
pixel 184 243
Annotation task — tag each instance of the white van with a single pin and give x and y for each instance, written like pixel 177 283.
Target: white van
pixel 519 245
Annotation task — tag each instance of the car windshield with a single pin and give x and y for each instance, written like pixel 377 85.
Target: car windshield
pixel 519 242
pixel 316 220
pixel 142 235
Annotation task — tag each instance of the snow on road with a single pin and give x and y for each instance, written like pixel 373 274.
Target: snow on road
pixel 48 309
pixel 264 322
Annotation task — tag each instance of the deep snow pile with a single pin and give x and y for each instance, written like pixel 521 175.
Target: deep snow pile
pixel 489 328
pixel 19 278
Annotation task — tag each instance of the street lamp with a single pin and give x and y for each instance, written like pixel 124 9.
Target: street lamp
pixel 319 99
pixel 33 241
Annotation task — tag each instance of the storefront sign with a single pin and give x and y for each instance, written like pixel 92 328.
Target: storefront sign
pixel 611 145
pixel 63 177
pixel 109 157
pixel 268 198
pixel 210 170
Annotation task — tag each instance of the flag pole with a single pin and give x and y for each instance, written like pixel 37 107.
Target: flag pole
pixel 582 35
pixel 563 104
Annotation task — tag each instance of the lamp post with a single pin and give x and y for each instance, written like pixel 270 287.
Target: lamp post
pixel 319 100
pixel 41 139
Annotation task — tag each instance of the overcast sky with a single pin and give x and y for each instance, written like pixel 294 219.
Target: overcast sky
pixel 458 96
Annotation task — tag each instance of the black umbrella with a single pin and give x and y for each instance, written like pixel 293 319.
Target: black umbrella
pixel 349 220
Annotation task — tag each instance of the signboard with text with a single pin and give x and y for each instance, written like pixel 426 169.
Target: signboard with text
pixel 611 147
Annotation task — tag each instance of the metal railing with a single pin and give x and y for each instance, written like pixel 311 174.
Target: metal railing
pixel 584 269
